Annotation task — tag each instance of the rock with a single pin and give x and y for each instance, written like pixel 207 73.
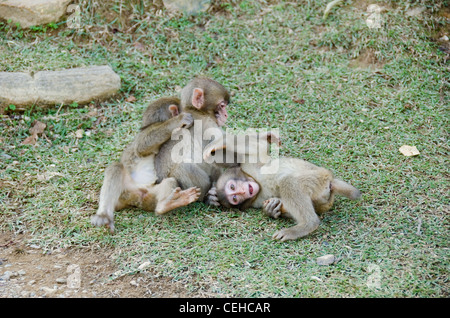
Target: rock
pixel 325 260
pixel 48 291
pixel 6 275
pixel 61 280
pixel 191 7
pixel 80 85
pixel 21 272
pixel 144 266
pixel 32 12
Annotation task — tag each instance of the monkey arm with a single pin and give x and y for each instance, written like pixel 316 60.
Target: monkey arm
pixel 151 138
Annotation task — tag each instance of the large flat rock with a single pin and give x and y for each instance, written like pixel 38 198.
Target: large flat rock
pixel 32 12
pixel 80 85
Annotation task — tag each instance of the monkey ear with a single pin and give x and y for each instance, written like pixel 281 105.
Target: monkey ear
pixel 198 98
pixel 173 110
pixel 273 138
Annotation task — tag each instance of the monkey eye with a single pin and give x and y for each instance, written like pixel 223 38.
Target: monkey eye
pixel 235 200
pixel 232 187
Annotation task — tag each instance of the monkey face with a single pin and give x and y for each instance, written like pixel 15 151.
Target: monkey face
pixel 238 191
pixel 221 113
pixel 208 96
pixel 234 188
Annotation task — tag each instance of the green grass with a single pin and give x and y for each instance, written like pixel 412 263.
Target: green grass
pixel 287 69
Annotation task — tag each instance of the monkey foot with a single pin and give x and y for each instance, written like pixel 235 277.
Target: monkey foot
pixel 100 220
pixel 291 233
pixel 178 198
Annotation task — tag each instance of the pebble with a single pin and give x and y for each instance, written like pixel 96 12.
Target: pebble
pixel 144 266
pixel 48 291
pixel 326 259
pixel 61 280
pixel 6 275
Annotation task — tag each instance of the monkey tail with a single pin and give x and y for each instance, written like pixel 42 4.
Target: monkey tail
pixel 345 189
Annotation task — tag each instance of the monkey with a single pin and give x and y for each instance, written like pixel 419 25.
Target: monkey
pixel 206 100
pixel 132 181
pixel 291 187
pixel 160 111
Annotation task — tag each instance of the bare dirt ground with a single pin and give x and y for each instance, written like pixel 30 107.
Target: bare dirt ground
pixel 26 271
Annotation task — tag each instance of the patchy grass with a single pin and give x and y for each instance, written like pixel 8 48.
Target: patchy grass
pixel 343 95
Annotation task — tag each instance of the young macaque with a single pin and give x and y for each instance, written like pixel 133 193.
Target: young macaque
pixel 160 111
pixel 206 100
pixel 282 187
pixel 132 182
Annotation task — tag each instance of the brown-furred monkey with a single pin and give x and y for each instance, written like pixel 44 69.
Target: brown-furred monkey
pixel 132 181
pixel 284 186
pixel 206 100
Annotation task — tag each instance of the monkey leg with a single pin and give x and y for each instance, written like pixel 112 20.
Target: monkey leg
pixel 299 206
pixel 191 175
pixel 112 188
pixel 170 197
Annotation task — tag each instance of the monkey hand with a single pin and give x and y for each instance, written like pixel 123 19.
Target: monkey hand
pixel 186 120
pixel 211 197
pixel 272 207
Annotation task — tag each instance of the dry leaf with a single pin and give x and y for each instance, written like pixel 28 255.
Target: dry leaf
pixel 79 133
pixel 130 99
pixel 409 151
pixel 31 140
pixel 66 149
pixel 38 127
pixel 92 113
pixel 48 175
pixel 139 46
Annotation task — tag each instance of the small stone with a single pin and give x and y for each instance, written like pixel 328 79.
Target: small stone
pixel 144 266
pixel 48 291
pixel 326 259
pixel 6 275
pixel 21 272
pixel 61 280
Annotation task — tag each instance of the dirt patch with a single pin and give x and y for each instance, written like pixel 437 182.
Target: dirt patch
pixel 25 271
pixel 367 59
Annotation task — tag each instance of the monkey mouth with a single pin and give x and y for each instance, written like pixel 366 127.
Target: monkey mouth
pixel 250 189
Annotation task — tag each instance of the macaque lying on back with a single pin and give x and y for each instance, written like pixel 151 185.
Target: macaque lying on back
pixel 283 187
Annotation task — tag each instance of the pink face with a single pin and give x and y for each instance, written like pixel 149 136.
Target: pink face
pixel 221 113
pixel 238 191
